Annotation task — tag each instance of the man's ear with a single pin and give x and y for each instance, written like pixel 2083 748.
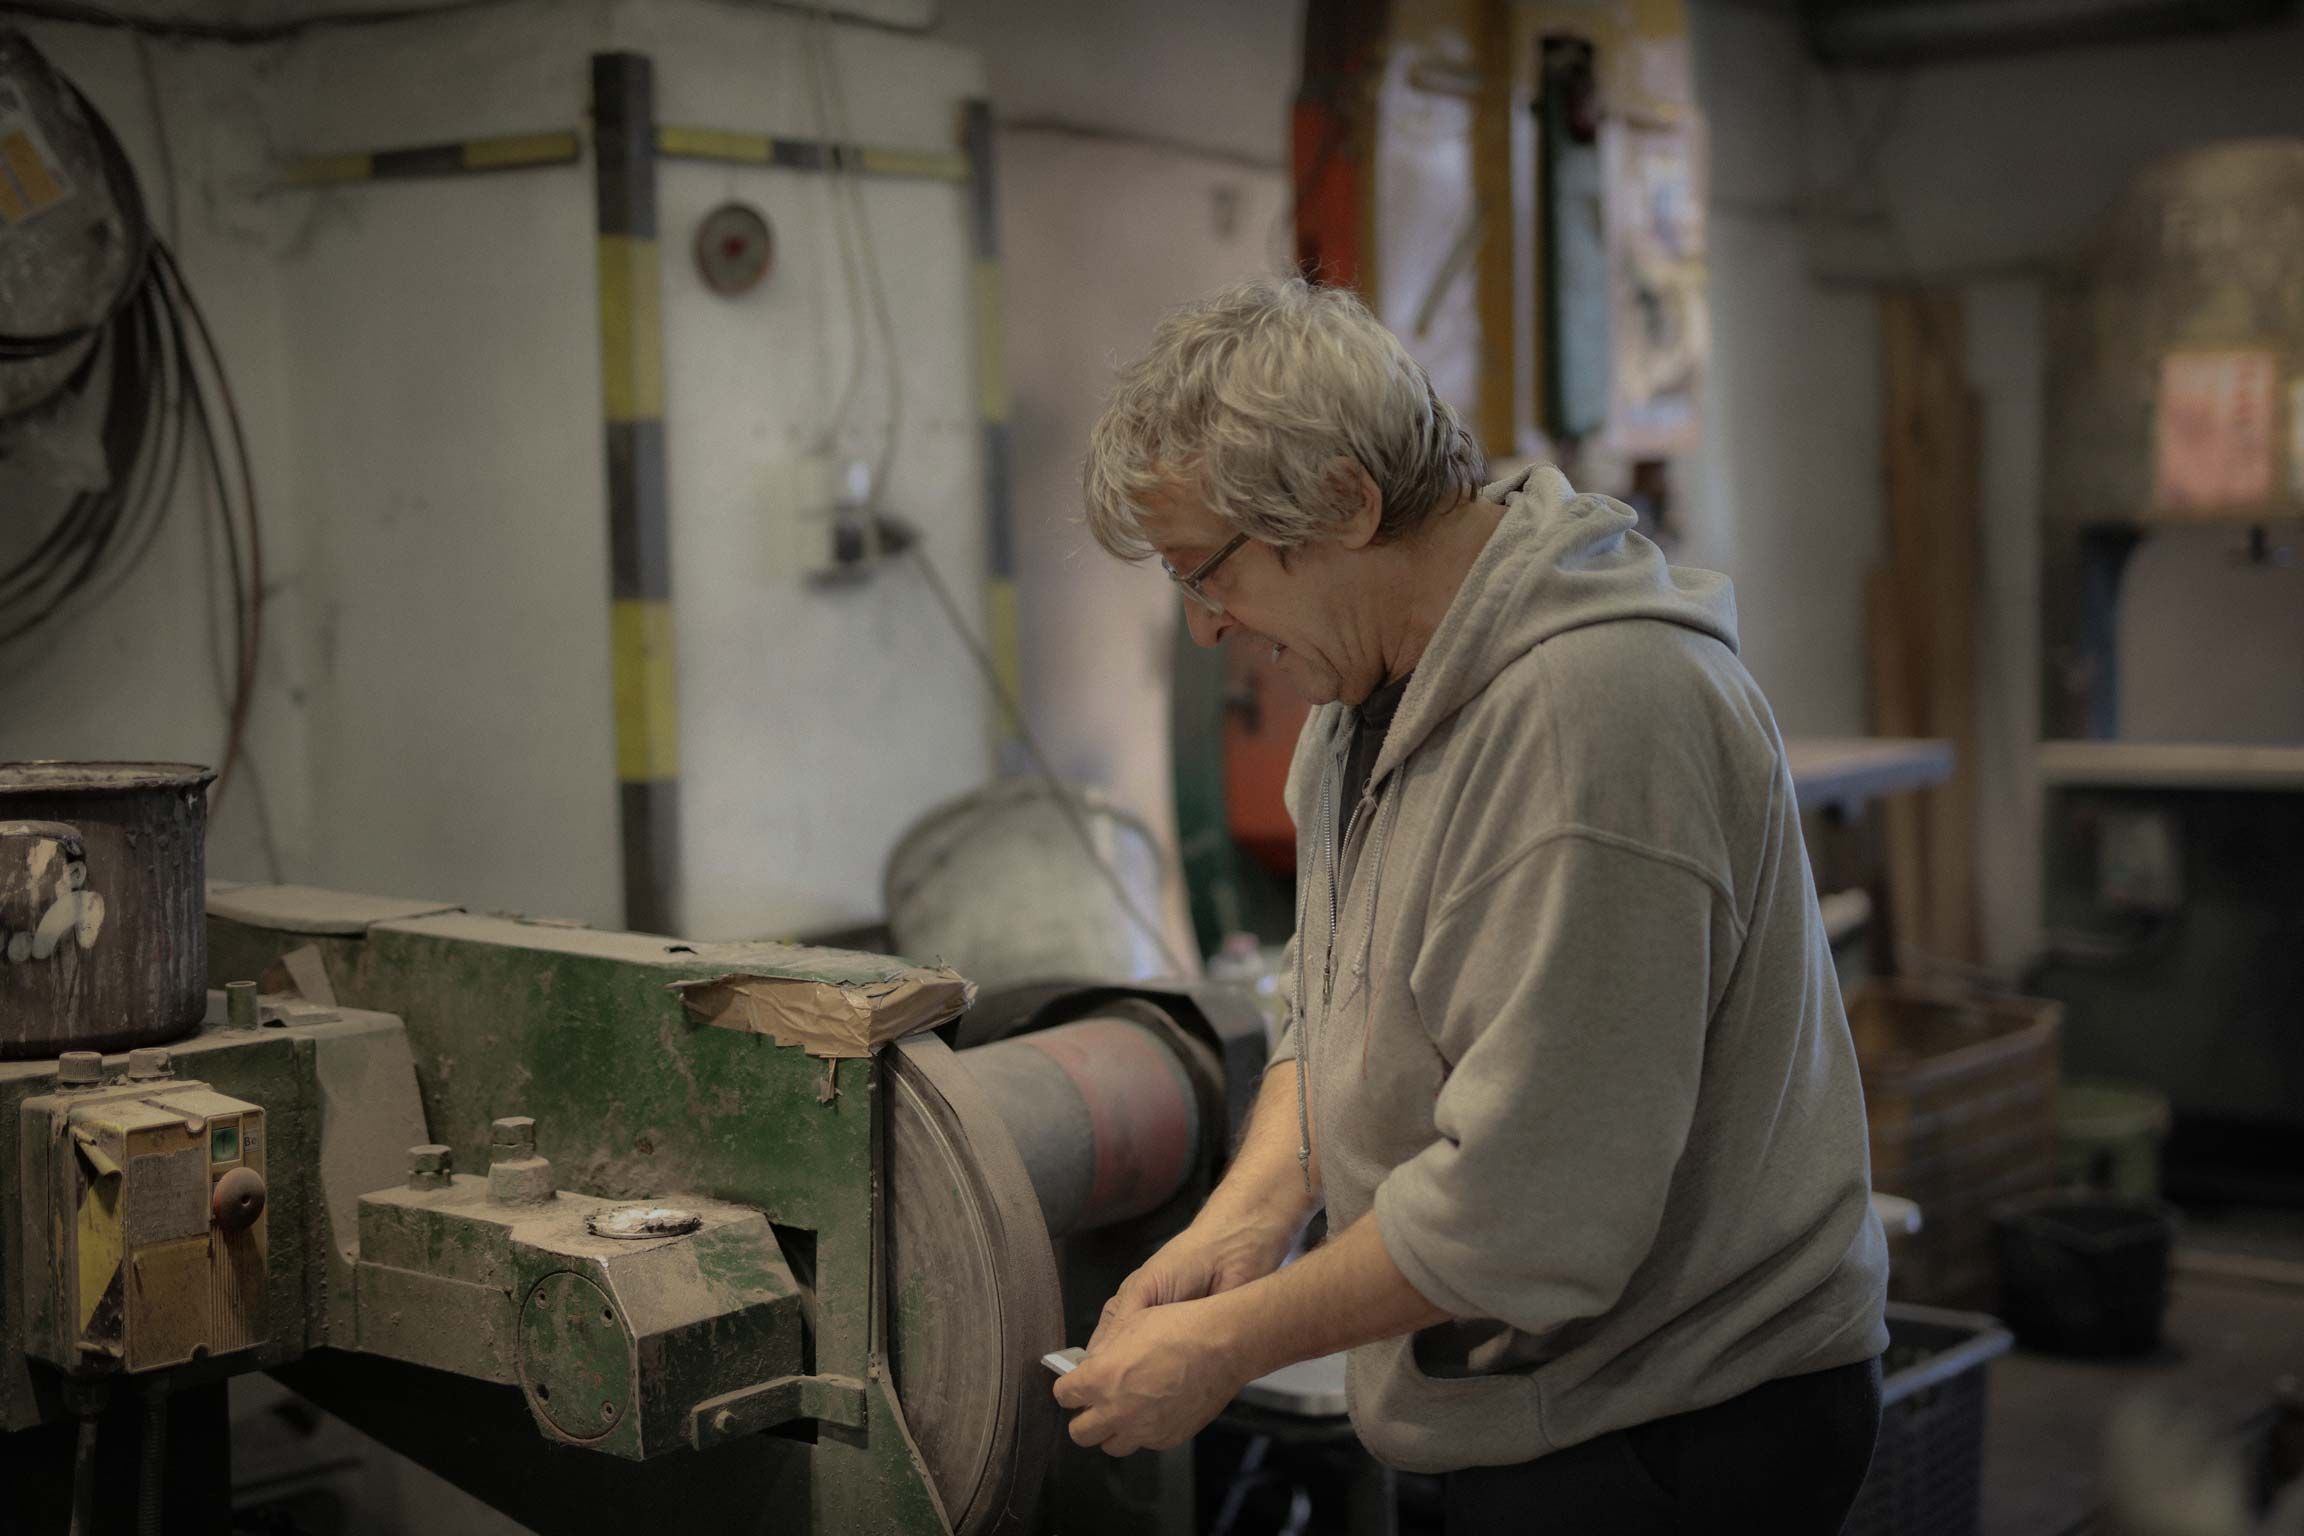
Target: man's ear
pixel 1355 490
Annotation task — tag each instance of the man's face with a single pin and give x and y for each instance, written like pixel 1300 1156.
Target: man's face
pixel 1293 607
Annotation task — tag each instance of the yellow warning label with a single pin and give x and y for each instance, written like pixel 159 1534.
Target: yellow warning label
pixel 97 1240
pixel 168 1300
pixel 30 179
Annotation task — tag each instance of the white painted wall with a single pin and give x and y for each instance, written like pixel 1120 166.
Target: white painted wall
pixel 135 677
pixel 1785 496
pixel 1098 635
pixel 420 363
pixel 2008 162
pixel 816 724
pixel 467 638
pixel 1176 189
pixel 1216 75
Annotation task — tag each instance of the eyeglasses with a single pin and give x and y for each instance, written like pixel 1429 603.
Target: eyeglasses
pixel 1190 585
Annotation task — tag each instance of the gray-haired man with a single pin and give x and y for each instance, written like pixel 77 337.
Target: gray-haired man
pixel 1568 1065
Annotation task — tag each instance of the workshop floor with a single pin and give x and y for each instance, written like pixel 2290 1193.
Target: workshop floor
pixel 2227 1341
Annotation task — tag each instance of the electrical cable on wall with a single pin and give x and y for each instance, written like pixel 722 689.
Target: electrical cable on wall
pixel 864 278
pixel 1067 798
pixel 153 375
pixel 864 285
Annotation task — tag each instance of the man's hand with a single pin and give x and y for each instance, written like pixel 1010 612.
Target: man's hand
pixel 1153 1378
pixel 1156 1374
pixel 1208 1258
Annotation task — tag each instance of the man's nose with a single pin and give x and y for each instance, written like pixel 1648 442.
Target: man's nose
pixel 1207 628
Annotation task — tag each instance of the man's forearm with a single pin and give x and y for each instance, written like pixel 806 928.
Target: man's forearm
pixel 1265 1185
pixel 1343 1294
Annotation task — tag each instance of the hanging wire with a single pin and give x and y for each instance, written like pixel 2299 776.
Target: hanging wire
pixel 1066 797
pixel 862 279
pixel 156 373
pixel 867 292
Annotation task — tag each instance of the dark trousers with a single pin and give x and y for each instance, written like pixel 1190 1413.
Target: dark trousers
pixel 1786 1458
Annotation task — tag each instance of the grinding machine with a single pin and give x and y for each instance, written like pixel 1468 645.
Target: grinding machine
pixel 602 1227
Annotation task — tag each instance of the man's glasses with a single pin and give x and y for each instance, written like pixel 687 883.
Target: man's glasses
pixel 1191 584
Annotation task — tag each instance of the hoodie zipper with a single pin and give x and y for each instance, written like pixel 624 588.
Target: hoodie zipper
pixel 1328 965
pixel 1328 851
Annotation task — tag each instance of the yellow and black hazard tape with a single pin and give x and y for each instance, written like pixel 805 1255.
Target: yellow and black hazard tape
pixel 527 151
pixel 510 152
pixel 1002 621
pixel 727 148
pixel 645 677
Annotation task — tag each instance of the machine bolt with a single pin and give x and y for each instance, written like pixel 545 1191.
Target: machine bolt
pixel 430 1166
pixel 240 1011
pixel 149 1062
pixel 723 1421
pixel 80 1069
pixel 516 1175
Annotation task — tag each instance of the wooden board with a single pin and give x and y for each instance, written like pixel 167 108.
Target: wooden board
pixel 1923 607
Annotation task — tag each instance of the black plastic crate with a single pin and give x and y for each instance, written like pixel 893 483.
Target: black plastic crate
pixel 2086 1274
pixel 1927 1476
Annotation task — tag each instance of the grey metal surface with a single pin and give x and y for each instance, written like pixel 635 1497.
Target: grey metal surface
pixel 1847 771
pixel 1104 1114
pixel 308 909
pixel 1050 1123
pixel 1309 1389
pixel 972 1291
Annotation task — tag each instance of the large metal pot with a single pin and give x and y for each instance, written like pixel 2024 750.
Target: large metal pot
pixel 997 884
pixel 103 933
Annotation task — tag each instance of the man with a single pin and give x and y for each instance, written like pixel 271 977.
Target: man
pixel 1567 1062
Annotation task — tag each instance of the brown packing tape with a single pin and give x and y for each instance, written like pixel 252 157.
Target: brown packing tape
pixel 831 1019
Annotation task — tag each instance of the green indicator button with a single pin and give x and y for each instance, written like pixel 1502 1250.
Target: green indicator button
pixel 224 1142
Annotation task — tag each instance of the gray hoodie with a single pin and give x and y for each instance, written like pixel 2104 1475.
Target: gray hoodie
pixel 1566 1015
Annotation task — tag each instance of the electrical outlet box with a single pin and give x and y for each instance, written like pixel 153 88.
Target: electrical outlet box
pixel 141 1250
pixel 2139 862
pixel 833 537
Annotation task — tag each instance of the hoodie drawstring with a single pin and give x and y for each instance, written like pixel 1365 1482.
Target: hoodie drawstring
pixel 1379 836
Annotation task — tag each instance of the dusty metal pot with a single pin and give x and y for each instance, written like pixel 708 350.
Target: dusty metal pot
pixel 103 928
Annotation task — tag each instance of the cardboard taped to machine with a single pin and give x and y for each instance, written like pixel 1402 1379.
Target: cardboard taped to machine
pixel 829 1018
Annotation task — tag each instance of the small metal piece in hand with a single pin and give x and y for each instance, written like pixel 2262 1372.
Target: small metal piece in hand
pixel 1061 1361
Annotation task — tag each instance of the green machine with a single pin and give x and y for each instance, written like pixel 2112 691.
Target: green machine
pixel 602 1227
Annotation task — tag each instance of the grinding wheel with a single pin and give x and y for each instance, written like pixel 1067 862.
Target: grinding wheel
pixel 973 1300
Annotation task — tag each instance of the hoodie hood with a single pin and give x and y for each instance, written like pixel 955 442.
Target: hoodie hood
pixel 1558 561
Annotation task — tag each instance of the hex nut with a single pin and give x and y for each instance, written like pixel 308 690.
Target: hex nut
pixel 431 1166
pixel 521 1181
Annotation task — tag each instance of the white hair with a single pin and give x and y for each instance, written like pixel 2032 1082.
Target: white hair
pixel 1249 398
